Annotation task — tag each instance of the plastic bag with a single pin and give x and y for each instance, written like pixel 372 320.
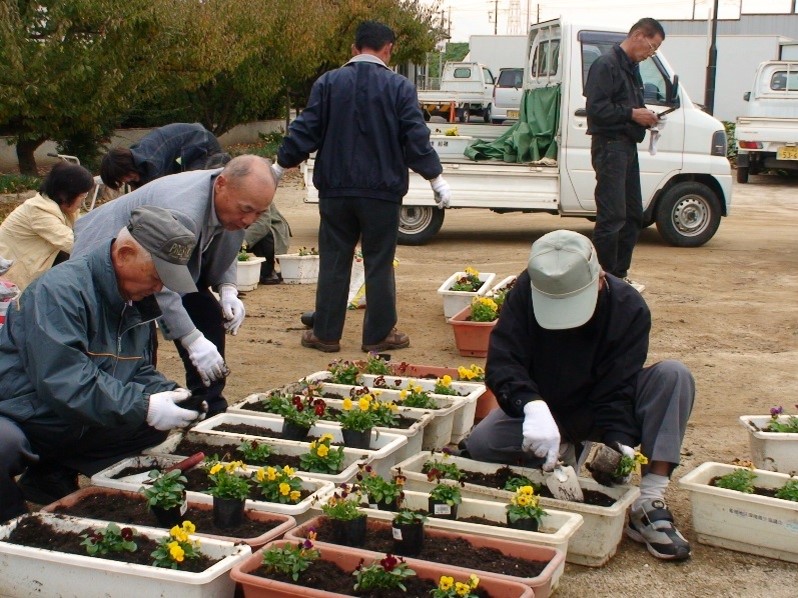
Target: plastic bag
pixel 357 282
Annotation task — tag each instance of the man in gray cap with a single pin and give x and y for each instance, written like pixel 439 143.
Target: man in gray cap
pixel 78 391
pixel 566 363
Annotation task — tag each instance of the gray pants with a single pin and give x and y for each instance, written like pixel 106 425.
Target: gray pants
pixel 664 395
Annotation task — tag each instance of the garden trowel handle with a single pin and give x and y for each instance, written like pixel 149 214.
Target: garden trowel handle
pixel 188 462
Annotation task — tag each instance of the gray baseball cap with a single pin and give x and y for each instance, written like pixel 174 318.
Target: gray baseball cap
pixel 564 274
pixel 169 242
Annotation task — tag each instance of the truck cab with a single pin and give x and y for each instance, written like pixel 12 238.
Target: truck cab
pixel 465 86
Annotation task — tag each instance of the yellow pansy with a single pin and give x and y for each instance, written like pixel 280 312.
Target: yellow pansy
pixel 446 380
pixel 473 580
pixel 446 582
pixel 260 475
pixel 471 271
pixel 285 489
pixel 522 500
pixel 174 531
pixel 364 403
pixel 402 394
pixel 176 552
pixel 462 589
pixel 289 471
pixel 271 474
pixel 326 437
pixel 526 490
pixel 295 495
pixel 216 469
pixel 323 450
pixel 417 389
pixel 189 527
pixel 347 404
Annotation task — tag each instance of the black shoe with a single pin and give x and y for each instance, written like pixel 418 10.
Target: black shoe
pixel 47 485
pixel 273 278
pixel 307 318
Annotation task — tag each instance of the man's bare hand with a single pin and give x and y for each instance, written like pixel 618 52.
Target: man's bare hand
pixel 644 116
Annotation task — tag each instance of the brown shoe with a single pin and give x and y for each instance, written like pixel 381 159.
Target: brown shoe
pixel 395 340
pixel 310 341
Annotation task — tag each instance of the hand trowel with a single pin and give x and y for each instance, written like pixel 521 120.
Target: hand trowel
pixel 564 483
pixel 184 465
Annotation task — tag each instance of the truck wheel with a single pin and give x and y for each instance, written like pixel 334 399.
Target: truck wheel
pixel 463 115
pixel 486 114
pixel 418 224
pixel 688 215
pixel 742 174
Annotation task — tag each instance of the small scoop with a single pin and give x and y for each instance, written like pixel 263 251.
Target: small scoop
pixel 564 483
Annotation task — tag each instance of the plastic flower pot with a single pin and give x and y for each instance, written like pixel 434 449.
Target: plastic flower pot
pixel 357 439
pixel 528 524
pixel 440 509
pixel 382 505
pixel 255 586
pixel 228 512
pixel 408 538
pixel 351 532
pixel 248 273
pixel 298 269
pixel 471 338
pixel 454 301
pixel 773 451
pixel 171 516
pixel 292 431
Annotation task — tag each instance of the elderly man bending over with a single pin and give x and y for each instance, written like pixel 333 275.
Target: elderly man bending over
pixel 78 391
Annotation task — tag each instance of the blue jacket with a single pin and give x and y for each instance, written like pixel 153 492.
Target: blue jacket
pixel 172 149
pixel 76 354
pixel 366 124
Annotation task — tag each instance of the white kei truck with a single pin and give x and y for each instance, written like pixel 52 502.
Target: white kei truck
pixel 767 135
pixel 466 89
pixel 686 186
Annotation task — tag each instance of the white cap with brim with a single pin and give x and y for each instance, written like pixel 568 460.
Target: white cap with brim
pixel 169 243
pixel 564 275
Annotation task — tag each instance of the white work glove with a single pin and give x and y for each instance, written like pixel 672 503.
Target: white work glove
pixel 232 308
pixel 163 414
pixel 205 357
pixel 655 133
pixel 541 434
pixel 278 172
pixel 443 193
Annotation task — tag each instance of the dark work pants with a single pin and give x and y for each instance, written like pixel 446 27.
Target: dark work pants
pixel 51 447
pixel 375 224
pixel 206 314
pixel 619 203
pixel 265 248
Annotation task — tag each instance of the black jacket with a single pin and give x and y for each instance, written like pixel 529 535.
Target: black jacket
pixel 173 148
pixel 586 375
pixel 366 124
pixel 613 89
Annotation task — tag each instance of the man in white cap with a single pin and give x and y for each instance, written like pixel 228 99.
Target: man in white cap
pixel 79 391
pixel 566 363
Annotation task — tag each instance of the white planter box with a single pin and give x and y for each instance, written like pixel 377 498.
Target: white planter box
pixel 500 285
pixel 454 301
pixel 414 434
pixel 592 545
pixel 773 451
pixel 298 269
pixel 450 146
pixel 248 273
pixel 26 571
pixel 744 522
pixel 470 392
pixel 107 477
pixel 381 457
pixel 438 433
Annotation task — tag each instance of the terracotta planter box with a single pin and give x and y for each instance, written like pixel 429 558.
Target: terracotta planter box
pixel 414 434
pixel 773 451
pixel 454 301
pixel 592 545
pixel 470 337
pixel 107 478
pixel 298 269
pixel 381 456
pixel 348 559
pixel 248 273
pixel 26 571
pixel 542 585
pixel 744 522
pixel 285 522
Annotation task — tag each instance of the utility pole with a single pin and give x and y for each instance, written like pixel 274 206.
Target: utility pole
pixel 495 17
pixel 712 63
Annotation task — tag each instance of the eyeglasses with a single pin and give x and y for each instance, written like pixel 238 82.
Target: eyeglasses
pixel 651 47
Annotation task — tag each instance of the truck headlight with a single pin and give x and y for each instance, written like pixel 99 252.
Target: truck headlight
pixel 718 143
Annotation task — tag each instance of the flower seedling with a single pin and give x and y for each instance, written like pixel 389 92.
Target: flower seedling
pixel 415 396
pixel 449 588
pixel 443 386
pixel 304 251
pixel 228 480
pixel 378 489
pixel 473 373
pixel 376 365
pixel 343 372
pixel 741 479
pixel 385 413
pixel 111 539
pixel 385 574
pixel 304 411
pixel 322 458
pixel 525 505
pixel 279 485
pixel 167 491
pixel 514 483
pixel 358 415
pixel 441 470
pixel 790 426
pixel 243 256
pixel 484 309
pixel 409 517
pixel 343 505
pixel 254 451
pixel 446 493
pixel 177 547
pixel 291 560
pixel 628 464
pixel 469 282
pixel 789 491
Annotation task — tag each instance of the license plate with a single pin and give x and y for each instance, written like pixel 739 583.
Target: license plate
pixel 512 114
pixel 787 153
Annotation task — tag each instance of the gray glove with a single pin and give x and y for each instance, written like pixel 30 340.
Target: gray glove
pixel 163 414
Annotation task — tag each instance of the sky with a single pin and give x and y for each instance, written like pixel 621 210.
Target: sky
pixel 475 17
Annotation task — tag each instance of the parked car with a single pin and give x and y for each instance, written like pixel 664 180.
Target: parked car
pixel 507 95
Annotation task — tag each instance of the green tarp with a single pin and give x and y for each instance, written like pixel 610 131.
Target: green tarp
pixel 532 137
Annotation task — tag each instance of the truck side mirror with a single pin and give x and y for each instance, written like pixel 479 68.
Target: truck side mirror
pixel 747 96
pixel 674 95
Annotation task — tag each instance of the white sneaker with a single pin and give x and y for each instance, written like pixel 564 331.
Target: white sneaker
pixel 637 286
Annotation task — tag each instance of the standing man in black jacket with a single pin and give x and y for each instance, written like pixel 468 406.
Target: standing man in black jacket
pixel 367 126
pixel 617 119
pixel 566 362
